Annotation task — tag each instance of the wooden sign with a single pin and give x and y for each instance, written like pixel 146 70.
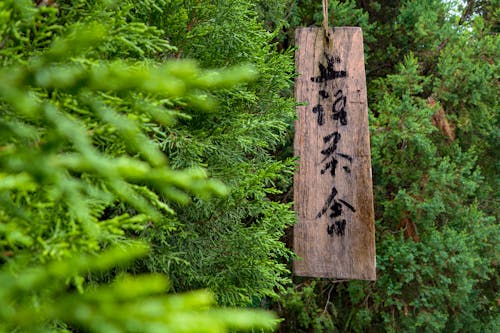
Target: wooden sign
pixel 335 235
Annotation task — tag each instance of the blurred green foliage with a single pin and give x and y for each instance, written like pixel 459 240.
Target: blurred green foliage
pixel 89 104
pixel 138 303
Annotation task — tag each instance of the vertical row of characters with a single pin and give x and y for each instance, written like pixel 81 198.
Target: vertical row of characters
pixel 333 206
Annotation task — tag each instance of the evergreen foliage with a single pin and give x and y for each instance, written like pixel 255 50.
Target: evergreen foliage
pixel 89 112
pixel 433 99
pixel 232 244
pixel 112 136
pixel 39 295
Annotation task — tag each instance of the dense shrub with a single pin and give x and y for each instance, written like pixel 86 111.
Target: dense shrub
pixel 433 99
pixel 102 139
pixel 112 135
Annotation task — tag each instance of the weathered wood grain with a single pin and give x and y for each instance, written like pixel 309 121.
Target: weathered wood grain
pixel 323 200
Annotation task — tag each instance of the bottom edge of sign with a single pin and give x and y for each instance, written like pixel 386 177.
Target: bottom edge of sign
pixel 332 275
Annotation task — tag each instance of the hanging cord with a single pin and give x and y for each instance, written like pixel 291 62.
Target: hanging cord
pixel 325 20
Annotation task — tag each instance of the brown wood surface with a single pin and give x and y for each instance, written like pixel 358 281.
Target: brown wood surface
pixel 325 248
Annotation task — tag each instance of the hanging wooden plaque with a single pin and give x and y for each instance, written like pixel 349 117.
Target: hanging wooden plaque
pixel 335 235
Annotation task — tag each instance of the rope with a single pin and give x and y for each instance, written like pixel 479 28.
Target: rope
pixel 325 19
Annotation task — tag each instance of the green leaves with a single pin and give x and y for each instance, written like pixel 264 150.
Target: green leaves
pixel 231 244
pixel 128 304
pixel 433 99
pixel 36 96
pixel 86 98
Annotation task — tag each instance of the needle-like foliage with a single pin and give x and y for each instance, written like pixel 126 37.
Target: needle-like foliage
pixel 94 118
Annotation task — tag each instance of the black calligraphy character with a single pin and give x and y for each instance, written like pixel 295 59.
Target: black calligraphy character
pixel 336 208
pixel 334 205
pixel 321 114
pixel 333 146
pixel 337 228
pixel 328 73
pixel 338 108
pixel 319 108
pixel 328 152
